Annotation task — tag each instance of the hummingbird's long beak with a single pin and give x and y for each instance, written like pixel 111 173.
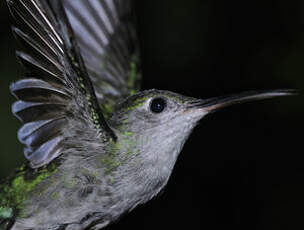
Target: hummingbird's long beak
pixel 216 103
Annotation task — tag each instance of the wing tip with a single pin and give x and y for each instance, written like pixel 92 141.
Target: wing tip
pixel 12 88
pixel 15 109
pixel 45 153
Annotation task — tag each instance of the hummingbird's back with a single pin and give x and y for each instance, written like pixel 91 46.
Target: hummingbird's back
pixel 18 187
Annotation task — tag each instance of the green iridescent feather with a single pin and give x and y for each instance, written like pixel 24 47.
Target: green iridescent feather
pixel 15 191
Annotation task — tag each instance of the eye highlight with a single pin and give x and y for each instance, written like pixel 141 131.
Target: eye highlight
pixel 158 105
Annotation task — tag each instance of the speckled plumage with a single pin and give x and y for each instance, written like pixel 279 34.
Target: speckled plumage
pixel 95 148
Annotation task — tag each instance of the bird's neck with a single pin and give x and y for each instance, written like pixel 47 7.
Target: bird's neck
pixel 141 164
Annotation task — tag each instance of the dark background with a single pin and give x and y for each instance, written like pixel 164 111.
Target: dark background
pixel 242 168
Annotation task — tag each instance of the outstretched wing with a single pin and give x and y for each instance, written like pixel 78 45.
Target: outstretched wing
pixel 57 89
pixel 105 32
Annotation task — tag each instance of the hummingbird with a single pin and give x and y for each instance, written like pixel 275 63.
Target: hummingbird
pixel 96 146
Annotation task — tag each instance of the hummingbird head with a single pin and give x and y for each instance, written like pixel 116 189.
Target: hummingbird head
pixel 158 123
pixel 153 111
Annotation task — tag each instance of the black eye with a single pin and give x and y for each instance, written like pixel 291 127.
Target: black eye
pixel 158 105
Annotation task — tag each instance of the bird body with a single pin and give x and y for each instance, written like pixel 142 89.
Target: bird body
pixel 113 177
pixel 96 146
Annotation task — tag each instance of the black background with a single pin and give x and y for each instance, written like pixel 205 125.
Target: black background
pixel 242 168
